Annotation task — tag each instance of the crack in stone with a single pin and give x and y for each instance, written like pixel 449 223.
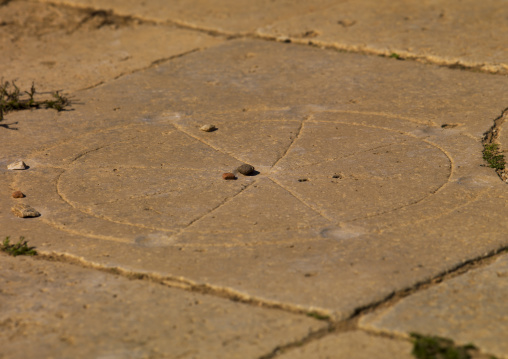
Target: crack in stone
pixel 352 322
pixel 182 283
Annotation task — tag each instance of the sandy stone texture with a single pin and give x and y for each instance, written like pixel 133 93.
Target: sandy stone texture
pixel 227 16
pixel 60 310
pixel 462 33
pixel 468 33
pixel 134 177
pixel 352 345
pixel 470 308
pixel 67 49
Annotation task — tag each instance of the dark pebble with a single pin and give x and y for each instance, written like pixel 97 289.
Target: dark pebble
pixel 245 169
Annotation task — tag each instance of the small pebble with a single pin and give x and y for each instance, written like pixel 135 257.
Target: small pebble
pixel 208 128
pixel 18 194
pixel 245 169
pixel 18 165
pixel 228 176
pixel 24 211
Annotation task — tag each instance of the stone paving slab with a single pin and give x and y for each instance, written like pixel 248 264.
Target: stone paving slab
pixel 458 33
pixel 352 345
pixel 51 310
pixel 418 202
pixel 70 49
pixel 470 308
pixel 462 33
pixel 228 16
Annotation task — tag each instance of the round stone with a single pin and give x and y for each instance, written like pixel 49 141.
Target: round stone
pixel 245 169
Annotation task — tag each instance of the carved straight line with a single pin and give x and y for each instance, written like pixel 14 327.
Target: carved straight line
pixel 301 200
pixel 180 128
pixel 224 202
pixel 297 136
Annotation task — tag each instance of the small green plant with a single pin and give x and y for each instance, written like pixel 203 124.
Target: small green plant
pixel 492 155
pixel 12 99
pixel 318 316
pixel 431 347
pixel 395 56
pixel 19 249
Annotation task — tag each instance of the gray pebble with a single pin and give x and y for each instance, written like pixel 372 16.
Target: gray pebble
pixel 245 169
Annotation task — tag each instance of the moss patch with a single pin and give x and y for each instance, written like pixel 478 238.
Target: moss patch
pixel 493 156
pixel 431 347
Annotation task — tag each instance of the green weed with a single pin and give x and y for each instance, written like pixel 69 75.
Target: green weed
pixel 492 155
pixel 318 316
pixel 431 347
pixel 395 56
pixel 13 99
pixel 19 249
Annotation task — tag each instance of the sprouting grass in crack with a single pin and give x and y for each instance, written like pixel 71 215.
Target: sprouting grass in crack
pixel 493 156
pixel 19 249
pixel 13 99
pixel 433 347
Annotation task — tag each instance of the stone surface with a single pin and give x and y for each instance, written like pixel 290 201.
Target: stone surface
pixel 396 217
pixel 352 345
pixel 62 48
pixel 468 33
pixel 24 211
pixel 470 308
pixel 371 177
pixel 55 308
pixel 229 16
pixel 457 33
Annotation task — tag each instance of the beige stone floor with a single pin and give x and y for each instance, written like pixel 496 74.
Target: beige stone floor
pixel 371 215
